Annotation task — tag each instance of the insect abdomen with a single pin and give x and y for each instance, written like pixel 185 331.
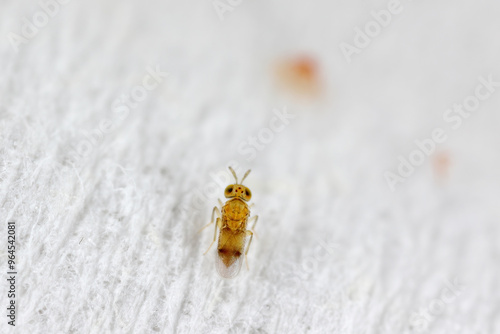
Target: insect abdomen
pixel 231 245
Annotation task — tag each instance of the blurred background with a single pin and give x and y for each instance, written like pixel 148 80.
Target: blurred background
pixel 371 128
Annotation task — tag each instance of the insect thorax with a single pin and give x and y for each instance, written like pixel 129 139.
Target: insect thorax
pixel 235 212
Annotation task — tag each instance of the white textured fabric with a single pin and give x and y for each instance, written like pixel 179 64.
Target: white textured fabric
pixel 108 198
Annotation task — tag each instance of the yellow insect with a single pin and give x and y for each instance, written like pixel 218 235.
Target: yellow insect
pixel 232 222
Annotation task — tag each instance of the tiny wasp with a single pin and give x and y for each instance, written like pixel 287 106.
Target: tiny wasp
pixel 232 222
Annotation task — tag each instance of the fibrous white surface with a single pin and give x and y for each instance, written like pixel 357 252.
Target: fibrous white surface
pixel 108 198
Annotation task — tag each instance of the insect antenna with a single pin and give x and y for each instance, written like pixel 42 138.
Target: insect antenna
pixel 234 174
pixel 244 176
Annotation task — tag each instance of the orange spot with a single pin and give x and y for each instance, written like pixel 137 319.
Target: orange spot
pixel 441 164
pixel 299 75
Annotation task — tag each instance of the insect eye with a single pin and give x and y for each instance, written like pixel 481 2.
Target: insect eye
pixel 247 192
pixel 229 190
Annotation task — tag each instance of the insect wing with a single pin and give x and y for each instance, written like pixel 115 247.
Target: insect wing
pixel 228 271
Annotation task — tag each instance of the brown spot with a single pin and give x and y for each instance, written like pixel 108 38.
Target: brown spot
pixel 229 252
pixel 228 256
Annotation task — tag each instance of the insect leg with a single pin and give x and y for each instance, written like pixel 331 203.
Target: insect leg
pixel 248 247
pixel 215 210
pixel 215 234
pixel 220 203
pixel 255 223
pixel 254 219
